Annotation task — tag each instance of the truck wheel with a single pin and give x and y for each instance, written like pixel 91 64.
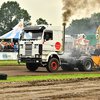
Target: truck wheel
pixel 32 66
pixel 86 66
pixel 53 65
pixel 67 67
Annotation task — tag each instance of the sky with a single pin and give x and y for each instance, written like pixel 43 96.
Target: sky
pixel 50 10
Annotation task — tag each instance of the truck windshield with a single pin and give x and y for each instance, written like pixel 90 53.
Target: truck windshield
pixel 37 35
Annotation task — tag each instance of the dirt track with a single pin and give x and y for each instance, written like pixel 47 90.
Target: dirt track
pixel 22 70
pixel 76 89
pixel 72 89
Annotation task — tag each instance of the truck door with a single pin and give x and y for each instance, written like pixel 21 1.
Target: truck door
pixel 48 44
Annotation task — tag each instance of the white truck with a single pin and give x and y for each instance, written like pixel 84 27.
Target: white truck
pixel 41 46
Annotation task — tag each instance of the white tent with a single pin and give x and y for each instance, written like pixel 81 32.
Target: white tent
pixel 15 33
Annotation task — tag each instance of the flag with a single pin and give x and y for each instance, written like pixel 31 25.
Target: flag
pixel 19 25
pixel 18 28
pixel 98 35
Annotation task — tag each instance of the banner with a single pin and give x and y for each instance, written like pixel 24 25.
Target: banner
pixel 92 39
pixel 8 55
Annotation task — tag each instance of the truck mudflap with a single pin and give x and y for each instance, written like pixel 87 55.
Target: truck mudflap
pixel 30 60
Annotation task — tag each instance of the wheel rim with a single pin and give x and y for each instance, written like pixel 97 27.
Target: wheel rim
pixel 88 65
pixel 54 65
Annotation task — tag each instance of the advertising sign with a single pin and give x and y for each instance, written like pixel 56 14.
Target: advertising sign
pixel 8 55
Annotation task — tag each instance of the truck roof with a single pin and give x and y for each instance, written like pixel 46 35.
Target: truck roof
pixel 41 28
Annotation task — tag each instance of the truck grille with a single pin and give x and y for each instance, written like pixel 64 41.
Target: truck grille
pixel 28 49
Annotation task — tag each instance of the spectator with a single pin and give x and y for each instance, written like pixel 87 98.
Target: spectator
pixel 3 44
pixel 1 48
pixel 12 44
pixel 91 49
pixel 97 51
pixel 6 46
pixel 16 47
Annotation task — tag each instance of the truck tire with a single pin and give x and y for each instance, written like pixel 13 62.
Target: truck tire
pixel 87 65
pixel 32 66
pixel 67 67
pixel 52 65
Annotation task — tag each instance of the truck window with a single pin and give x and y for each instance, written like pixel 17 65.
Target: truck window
pixel 48 36
pixel 32 35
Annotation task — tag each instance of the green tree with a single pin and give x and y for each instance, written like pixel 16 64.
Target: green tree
pixel 41 21
pixel 84 25
pixel 10 14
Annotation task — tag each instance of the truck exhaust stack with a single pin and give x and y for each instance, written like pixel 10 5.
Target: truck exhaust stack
pixel 63 49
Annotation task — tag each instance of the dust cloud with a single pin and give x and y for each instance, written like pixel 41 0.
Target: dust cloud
pixel 77 9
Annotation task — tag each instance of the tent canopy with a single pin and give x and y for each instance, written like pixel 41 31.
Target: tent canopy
pixel 15 33
pixel 10 35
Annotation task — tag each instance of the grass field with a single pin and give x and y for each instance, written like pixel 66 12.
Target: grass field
pixel 10 62
pixel 49 77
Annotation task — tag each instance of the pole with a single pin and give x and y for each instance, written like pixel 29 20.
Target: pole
pixel 64 24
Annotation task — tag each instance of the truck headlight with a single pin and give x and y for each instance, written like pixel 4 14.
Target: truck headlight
pixel 19 61
pixel 37 56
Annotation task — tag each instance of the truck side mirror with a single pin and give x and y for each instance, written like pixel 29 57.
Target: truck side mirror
pixel 21 35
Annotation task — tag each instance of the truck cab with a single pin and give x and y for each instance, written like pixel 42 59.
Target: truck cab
pixel 40 46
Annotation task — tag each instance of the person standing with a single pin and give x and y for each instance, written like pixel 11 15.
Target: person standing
pixel 12 44
pixel 97 51
pixel 6 47
pixel 16 47
pixel 3 45
pixel 1 48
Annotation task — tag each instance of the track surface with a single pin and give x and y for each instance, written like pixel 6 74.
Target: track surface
pixel 73 89
pixel 22 70
pixel 76 89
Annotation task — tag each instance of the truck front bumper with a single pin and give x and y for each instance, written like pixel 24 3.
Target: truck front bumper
pixel 29 60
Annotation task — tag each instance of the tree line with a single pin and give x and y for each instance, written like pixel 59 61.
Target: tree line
pixel 11 13
pixel 84 25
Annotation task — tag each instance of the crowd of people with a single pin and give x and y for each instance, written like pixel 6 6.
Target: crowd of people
pixel 89 49
pixel 8 46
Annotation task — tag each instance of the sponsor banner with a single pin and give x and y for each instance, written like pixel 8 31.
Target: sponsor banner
pixel 8 55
